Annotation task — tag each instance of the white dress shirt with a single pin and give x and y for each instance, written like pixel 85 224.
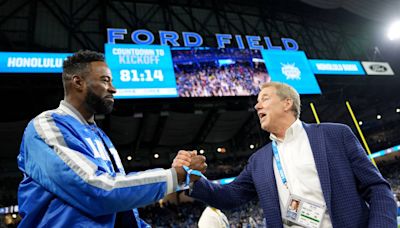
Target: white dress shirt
pixel 299 167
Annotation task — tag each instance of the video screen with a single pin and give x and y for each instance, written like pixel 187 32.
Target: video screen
pixel 212 72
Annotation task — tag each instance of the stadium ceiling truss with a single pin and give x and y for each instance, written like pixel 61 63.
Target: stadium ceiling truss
pixel 70 25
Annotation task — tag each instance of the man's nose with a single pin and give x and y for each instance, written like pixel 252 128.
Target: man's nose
pixel 112 89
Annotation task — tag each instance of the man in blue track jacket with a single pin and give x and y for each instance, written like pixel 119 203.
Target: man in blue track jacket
pixel 310 175
pixel 73 176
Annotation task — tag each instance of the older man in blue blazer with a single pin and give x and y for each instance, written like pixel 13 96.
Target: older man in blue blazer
pixel 322 169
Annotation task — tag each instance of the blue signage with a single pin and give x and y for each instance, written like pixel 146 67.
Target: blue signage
pixel 291 67
pixel 24 62
pixel 224 181
pixel 192 39
pixel 385 151
pixel 141 71
pixel 336 67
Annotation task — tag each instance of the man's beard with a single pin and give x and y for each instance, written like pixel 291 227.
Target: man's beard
pixel 97 104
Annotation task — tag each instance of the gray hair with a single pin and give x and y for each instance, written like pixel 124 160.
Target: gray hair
pixel 286 91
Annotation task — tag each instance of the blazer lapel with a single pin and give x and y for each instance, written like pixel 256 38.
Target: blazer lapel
pixel 317 142
pixel 273 216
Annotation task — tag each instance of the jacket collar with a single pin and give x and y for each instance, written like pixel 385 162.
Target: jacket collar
pixel 318 147
pixel 72 111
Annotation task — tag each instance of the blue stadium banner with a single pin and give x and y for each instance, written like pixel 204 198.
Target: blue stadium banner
pixel 141 71
pixel 31 62
pixel 385 152
pixel 291 67
pixel 224 181
pixel 344 67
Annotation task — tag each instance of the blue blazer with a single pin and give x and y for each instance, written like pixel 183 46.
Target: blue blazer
pixel 355 193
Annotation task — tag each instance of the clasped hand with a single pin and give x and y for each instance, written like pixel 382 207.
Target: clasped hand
pixel 191 160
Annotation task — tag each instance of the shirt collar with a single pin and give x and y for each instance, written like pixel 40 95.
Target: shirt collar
pixel 71 110
pixel 290 133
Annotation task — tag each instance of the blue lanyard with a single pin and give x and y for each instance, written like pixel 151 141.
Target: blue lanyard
pixel 278 163
pixel 190 172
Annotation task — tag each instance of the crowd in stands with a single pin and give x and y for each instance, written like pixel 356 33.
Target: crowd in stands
pixel 172 215
pixel 228 167
pixel 196 54
pixel 392 174
pixel 218 72
pixel 212 81
pixel 188 214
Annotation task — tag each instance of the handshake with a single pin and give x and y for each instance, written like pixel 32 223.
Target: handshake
pixel 191 160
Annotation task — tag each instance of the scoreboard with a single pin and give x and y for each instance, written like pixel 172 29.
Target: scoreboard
pixel 161 71
pixel 141 71
pixel 156 71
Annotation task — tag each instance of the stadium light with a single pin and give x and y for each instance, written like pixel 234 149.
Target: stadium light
pixel 397 110
pixel 251 146
pixel 129 158
pixel 394 31
pixel 360 122
pixel 378 117
pixel 201 151
pixel 156 156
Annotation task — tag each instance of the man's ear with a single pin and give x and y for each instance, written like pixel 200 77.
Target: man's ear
pixel 288 104
pixel 78 82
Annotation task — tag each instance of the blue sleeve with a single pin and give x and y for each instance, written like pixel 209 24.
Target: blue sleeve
pixel 234 194
pixel 75 177
pixel 372 187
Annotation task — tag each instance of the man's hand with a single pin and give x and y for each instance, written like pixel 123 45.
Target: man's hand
pixel 183 158
pixel 191 160
pixel 198 163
